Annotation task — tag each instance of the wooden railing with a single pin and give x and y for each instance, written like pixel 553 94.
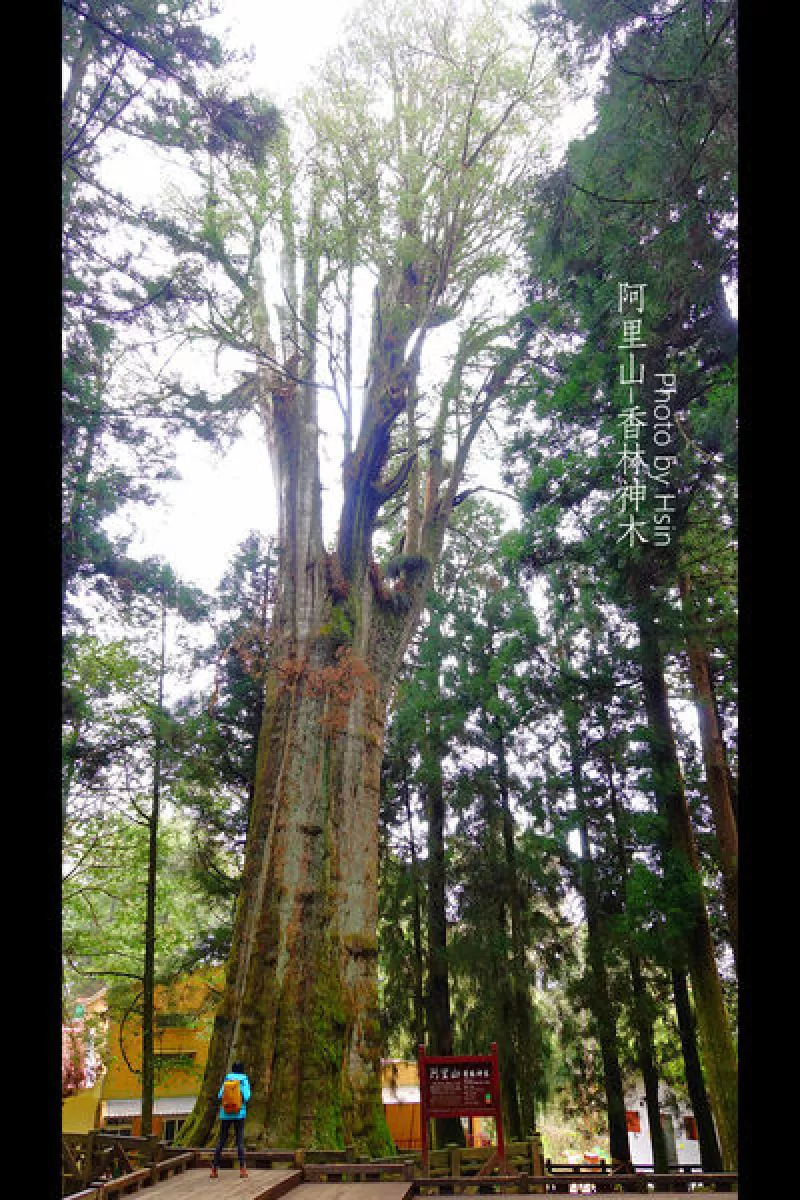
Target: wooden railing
pixel 560 1184
pixel 97 1159
pixel 521 1156
pixel 100 1166
pixel 383 1170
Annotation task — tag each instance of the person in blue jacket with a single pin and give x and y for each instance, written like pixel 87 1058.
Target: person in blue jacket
pixel 235 1119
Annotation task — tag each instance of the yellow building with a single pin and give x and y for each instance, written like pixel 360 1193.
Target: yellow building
pixel 400 1088
pixel 184 1012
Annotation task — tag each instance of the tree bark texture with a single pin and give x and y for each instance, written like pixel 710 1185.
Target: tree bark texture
pixel 522 1016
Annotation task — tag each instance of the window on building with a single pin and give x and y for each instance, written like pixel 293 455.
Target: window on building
pixel 690 1128
pixel 633 1122
pixel 170 1127
pixel 174 1020
pixel 182 1058
pixel 120 1125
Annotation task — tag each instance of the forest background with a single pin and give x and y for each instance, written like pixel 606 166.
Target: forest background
pixel 556 797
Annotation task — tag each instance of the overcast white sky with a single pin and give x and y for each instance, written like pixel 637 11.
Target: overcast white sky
pixel 219 500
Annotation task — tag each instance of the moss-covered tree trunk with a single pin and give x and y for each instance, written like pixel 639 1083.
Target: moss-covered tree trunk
pixel 300 1001
pixel 300 1004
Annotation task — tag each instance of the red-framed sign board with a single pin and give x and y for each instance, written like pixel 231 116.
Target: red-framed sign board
pixel 465 1085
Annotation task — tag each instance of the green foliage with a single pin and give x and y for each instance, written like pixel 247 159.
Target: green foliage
pixel 214 782
pixel 144 75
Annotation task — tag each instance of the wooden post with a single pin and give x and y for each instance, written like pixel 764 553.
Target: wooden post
pixel 501 1146
pixel 88 1162
pixel 423 1107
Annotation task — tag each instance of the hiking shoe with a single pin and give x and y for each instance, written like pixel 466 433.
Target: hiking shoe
pixel 214 1173
pixel 243 1173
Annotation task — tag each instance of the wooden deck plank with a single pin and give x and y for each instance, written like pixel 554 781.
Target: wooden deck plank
pixel 259 1185
pixel 262 1185
pixel 353 1191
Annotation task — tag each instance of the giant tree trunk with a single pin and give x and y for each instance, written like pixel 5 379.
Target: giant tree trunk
pixel 681 864
pixel 300 1004
pixel 300 1001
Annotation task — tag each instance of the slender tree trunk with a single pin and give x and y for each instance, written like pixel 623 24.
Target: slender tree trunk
pixel 647 1061
pixel 681 864
pixel 710 1154
pixel 440 1025
pixel 716 763
pixel 642 1020
pixel 72 555
pixel 440 1030
pixel 148 980
pixel 522 1025
pixel 602 1006
pixel 416 924
pixel 498 981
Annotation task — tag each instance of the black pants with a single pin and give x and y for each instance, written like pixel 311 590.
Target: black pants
pixel 238 1129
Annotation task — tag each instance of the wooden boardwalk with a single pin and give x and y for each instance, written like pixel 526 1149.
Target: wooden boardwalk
pixel 268 1185
pixel 259 1185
